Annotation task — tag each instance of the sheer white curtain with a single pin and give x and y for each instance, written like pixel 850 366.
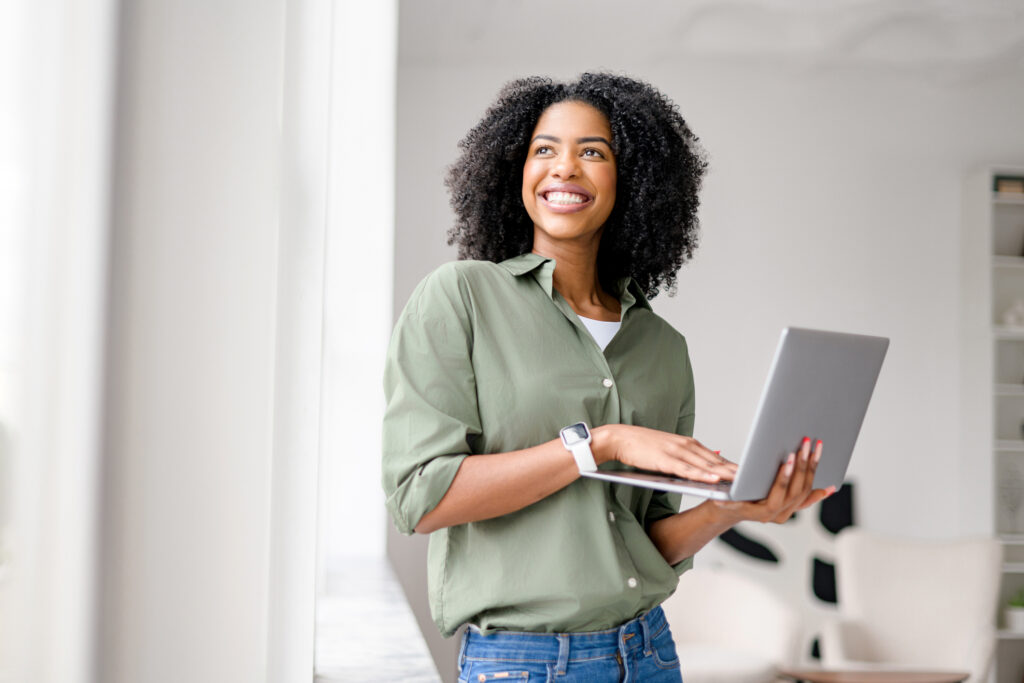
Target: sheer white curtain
pixel 359 278
pixel 56 85
pixel 158 516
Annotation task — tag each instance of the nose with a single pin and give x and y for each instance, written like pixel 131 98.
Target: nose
pixel 565 166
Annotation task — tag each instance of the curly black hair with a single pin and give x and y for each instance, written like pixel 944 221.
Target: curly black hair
pixel 653 227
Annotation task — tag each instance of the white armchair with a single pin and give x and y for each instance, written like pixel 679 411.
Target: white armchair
pixel 730 629
pixel 924 604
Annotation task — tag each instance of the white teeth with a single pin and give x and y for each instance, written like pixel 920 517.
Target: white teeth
pixel 565 198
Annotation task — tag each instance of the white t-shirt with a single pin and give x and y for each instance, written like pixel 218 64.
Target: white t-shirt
pixel 601 330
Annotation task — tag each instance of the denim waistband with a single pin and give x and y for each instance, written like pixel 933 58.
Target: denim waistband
pixel 561 648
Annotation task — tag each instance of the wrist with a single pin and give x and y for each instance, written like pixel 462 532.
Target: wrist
pixel 603 443
pixel 719 516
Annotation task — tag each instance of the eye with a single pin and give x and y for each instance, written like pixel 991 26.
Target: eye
pixel 542 150
pixel 593 152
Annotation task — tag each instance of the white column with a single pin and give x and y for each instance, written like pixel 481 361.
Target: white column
pixel 192 353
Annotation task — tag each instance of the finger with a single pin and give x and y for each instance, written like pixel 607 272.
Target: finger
pixel 713 459
pixel 799 486
pixel 817 495
pixel 812 470
pixel 728 463
pixel 782 501
pixel 692 452
pixel 680 467
pixel 777 495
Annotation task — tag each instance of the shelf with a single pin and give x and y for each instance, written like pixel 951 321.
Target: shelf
pixel 1003 634
pixel 1004 261
pixel 992 268
pixel 1007 332
pixel 1012 539
pixel 1008 198
pixel 1008 261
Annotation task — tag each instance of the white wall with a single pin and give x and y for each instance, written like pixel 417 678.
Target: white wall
pixel 833 201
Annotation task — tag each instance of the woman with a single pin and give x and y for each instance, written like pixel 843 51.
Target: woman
pixel 575 203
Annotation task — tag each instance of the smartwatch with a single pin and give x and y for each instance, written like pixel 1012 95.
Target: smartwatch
pixel 576 438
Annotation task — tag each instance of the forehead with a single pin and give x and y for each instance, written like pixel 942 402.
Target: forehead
pixel 573 120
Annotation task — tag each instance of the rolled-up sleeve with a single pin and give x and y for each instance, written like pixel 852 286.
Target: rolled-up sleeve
pixel 430 389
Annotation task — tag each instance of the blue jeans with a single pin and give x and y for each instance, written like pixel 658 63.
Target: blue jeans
pixel 640 650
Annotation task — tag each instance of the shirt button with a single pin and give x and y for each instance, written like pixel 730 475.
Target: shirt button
pixel 607 382
pixel 631 582
pixel 611 516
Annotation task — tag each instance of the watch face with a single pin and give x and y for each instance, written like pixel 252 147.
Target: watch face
pixel 573 434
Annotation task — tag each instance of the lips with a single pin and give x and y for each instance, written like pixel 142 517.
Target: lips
pixel 565 197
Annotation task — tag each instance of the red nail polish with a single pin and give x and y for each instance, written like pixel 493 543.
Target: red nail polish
pixel 806 439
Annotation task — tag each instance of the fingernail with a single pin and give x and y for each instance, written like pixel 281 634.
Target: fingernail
pixel 718 452
pixel 806 439
pixel 831 490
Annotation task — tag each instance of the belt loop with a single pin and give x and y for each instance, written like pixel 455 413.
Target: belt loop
pixel 563 654
pixel 624 661
pixel 645 628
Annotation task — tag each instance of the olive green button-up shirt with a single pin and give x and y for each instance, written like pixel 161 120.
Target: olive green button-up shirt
pixel 489 358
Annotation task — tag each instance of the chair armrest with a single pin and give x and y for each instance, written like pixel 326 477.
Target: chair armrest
pixel 980 654
pixel 844 644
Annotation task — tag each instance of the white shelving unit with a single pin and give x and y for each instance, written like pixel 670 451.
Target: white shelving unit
pixel 992 380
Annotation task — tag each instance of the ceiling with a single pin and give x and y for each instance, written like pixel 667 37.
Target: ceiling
pixel 956 36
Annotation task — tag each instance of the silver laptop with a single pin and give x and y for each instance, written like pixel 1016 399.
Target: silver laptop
pixel 819 386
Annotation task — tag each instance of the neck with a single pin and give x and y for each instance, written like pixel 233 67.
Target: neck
pixel 575 278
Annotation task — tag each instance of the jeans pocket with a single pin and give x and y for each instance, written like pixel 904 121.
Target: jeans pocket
pixel 663 649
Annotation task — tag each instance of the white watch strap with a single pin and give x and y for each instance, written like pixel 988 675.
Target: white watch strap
pixel 584 457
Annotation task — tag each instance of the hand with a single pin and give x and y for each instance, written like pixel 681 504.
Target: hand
pixel 651 449
pixel 791 491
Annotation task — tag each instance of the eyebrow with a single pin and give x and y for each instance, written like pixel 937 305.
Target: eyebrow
pixel 579 141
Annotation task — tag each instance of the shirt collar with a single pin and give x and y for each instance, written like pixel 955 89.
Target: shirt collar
pixel 630 295
pixel 524 263
pixel 543 268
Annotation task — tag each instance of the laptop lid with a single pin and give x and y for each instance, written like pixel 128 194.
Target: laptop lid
pixel 819 385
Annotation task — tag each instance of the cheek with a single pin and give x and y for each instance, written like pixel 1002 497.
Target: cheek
pixel 528 197
pixel 608 185
pixel 611 180
pixel 530 180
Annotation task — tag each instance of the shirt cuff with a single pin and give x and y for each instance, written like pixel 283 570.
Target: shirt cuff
pixel 684 566
pixel 422 490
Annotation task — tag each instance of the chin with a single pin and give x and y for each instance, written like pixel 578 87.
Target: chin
pixel 556 234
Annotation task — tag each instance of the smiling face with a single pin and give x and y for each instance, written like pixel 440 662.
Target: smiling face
pixel 569 175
